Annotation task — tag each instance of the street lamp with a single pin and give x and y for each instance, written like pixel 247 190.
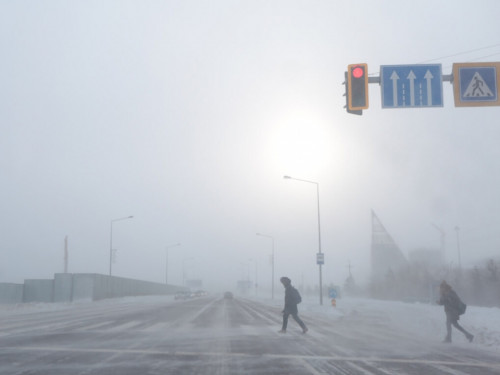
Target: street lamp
pixel 272 263
pixel 111 241
pixel 166 261
pixel 320 254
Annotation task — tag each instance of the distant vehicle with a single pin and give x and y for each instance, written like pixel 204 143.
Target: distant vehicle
pixel 228 295
pixel 182 295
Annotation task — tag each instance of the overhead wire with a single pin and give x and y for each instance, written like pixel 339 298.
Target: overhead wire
pixel 459 54
pixel 464 53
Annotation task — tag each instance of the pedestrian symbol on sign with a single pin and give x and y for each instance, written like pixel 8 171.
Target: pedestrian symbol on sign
pixel 478 88
pixel 476 84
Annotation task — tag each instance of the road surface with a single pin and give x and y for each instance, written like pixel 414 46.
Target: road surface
pixel 213 335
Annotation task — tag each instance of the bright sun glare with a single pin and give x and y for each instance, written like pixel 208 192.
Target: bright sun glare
pixel 301 145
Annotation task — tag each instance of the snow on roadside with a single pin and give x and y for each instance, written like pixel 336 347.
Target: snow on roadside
pixel 418 319
pixel 33 307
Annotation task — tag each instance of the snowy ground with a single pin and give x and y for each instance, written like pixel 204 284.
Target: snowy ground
pixel 421 320
pixel 212 335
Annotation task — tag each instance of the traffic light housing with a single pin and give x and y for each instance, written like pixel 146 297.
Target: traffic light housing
pixel 357 87
pixel 353 112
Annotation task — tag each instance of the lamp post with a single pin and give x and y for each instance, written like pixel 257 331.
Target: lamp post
pixel 272 263
pixel 320 254
pixel 111 241
pixel 166 261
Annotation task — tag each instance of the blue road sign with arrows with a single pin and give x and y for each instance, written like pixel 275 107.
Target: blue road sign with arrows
pixel 411 86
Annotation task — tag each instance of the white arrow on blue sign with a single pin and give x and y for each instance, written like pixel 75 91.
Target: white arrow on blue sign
pixel 411 86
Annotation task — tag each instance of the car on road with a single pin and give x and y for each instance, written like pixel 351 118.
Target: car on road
pixel 182 295
pixel 228 295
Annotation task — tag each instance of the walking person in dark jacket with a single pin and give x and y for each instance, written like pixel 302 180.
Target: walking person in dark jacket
pixel 452 308
pixel 292 298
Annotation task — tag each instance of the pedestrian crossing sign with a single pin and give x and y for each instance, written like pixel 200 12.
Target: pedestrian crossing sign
pixel 476 84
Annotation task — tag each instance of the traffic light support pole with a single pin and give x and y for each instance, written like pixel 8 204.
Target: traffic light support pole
pixel 445 78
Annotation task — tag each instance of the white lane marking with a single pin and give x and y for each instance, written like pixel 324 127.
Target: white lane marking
pixel 123 326
pixel 248 355
pixel 91 327
pixel 309 368
pixel 157 327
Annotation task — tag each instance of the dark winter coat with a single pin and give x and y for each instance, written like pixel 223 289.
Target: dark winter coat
pixel 451 303
pixel 292 298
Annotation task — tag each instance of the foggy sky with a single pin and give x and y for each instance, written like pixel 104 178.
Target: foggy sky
pixel 187 114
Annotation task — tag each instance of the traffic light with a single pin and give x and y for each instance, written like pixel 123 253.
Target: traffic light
pixel 353 112
pixel 357 87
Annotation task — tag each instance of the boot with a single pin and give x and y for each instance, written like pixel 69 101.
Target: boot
pixel 470 337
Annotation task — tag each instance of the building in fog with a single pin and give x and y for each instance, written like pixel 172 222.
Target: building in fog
pixel 244 287
pixel 429 258
pixel 194 284
pixel 385 253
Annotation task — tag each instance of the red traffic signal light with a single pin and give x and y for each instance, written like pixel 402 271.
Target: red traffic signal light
pixel 358 72
pixel 357 87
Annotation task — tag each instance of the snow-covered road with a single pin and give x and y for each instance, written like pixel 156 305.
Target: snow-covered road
pixel 212 335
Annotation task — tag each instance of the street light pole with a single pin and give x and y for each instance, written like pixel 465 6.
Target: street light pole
pixel 111 241
pixel 166 261
pixel 319 235
pixel 272 263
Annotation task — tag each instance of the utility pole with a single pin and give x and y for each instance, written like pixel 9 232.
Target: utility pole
pixel 350 266
pixel 443 240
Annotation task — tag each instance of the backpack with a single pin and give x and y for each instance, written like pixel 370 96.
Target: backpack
pixel 461 307
pixel 296 296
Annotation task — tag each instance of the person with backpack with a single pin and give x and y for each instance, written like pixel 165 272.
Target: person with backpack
pixel 292 299
pixel 453 308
